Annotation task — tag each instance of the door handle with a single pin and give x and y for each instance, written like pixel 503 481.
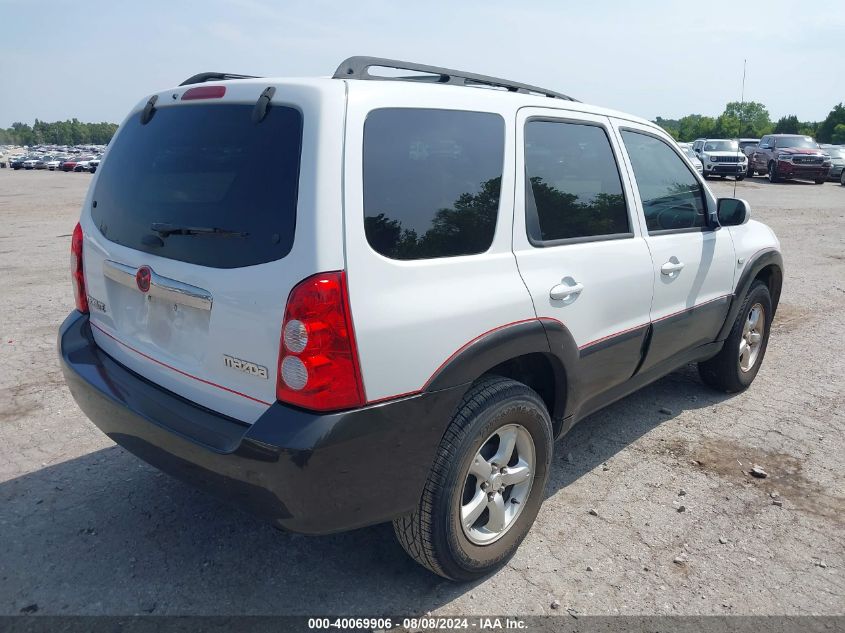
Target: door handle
pixel 565 291
pixel 672 267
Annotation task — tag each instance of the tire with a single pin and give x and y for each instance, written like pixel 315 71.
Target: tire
pixel 725 371
pixel 773 176
pixel 434 534
pixel 842 178
pixel 749 171
pixel 820 181
pixel 739 178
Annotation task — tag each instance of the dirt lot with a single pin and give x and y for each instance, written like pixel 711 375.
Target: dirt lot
pixel 86 528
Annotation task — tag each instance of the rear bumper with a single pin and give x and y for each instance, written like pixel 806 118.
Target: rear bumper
pixel 305 472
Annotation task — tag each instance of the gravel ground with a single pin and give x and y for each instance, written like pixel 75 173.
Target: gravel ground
pixel 86 528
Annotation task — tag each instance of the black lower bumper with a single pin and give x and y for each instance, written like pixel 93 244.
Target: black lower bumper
pixel 726 169
pixel 307 473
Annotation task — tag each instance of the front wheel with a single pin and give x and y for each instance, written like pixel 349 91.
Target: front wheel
pixel 819 181
pixel 773 172
pixel 486 485
pixel 842 178
pixel 740 178
pixel 734 368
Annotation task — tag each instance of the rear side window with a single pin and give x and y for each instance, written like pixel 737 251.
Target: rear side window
pixel 672 197
pixel 573 188
pixel 432 180
pixel 231 184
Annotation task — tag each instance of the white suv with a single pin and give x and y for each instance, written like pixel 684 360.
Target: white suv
pixel 721 157
pixel 350 300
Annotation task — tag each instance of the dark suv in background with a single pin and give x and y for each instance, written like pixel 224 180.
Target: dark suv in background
pixel 837 160
pixel 783 156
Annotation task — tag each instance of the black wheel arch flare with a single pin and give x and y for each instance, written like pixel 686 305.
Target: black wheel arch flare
pixel 502 345
pixel 766 264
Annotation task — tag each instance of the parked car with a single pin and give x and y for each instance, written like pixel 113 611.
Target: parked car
pixel 746 143
pixel 71 163
pixel 53 164
pixel 721 157
pixel 17 162
pixel 783 156
pixel 82 163
pixel 693 157
pixel 324 347
pixel 837 160
pixel 93 164
pixel 42 161
pixel 30 162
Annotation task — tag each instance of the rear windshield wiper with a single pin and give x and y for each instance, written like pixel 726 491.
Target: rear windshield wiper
pixel 164 230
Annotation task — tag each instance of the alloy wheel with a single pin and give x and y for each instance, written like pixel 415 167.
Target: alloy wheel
pixel 497 484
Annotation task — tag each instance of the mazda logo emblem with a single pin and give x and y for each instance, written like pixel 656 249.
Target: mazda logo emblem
pixel 142 278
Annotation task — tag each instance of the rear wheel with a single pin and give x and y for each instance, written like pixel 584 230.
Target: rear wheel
pixel 486 485
pixel 819 181
pixel 734 368
pixel 842 178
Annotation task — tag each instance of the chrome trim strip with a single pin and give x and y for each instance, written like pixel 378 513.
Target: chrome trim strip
pixel 160 287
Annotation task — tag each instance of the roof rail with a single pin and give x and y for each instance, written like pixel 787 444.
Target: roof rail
pixel 358 68
pixel 203 77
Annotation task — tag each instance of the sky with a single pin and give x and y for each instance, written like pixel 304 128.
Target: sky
pixel 95 59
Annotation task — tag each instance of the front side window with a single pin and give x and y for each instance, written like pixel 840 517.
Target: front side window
pixel 672 197
pixel 573 188
pixel 432 180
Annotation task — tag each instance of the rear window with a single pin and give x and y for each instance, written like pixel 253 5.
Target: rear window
pixel 431 181
pixel 203 167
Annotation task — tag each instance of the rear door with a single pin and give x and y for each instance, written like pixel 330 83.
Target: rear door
pixel 578 243
pixel 693 263
pixel 197 226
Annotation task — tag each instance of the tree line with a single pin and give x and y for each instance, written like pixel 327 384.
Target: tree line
pixel 751 120
pixel 70 132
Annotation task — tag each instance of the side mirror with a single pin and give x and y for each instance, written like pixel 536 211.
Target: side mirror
pixel 732 211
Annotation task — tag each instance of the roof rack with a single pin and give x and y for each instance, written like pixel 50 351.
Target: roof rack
pixel 203 77
pixel 358 68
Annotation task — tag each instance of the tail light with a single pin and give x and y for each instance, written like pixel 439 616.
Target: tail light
pixel 76 275
pixel 318 358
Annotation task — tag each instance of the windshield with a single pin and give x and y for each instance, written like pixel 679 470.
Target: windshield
pixel 803 142
pixel 835 152
pixel 204 166
pixel 721 146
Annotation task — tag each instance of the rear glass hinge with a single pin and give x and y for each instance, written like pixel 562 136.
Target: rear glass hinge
pixel 260 110
pixel 149 110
